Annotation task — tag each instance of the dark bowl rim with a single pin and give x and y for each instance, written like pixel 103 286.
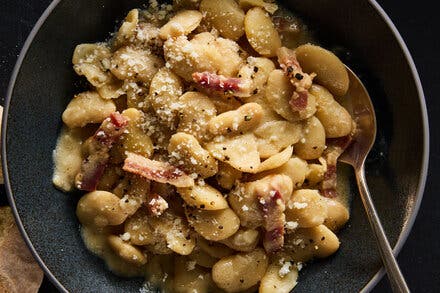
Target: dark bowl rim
pixel 406 227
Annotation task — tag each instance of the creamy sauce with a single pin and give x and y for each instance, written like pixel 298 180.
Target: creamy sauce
pixel 343 186
pixel 67 158
pixel 297 32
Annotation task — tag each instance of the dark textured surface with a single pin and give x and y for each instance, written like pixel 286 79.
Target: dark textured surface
pixel 392 92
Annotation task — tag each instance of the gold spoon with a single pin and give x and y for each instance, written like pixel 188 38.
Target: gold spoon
pixel 363 112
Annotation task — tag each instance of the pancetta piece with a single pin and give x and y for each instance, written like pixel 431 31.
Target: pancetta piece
pixel 273 207
pixel 156 204
pixel 99 147
pixel 288 62
pixel 300 80
pixel 239 87
pixel 161 172
pixel 299 101
pixel 335 148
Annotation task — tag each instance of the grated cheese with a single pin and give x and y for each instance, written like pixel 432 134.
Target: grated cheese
pixel 285 269
pixel 300 205
pixel 291 225
pixel 126 236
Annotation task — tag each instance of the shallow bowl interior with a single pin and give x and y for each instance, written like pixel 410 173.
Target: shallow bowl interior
pixel 44 83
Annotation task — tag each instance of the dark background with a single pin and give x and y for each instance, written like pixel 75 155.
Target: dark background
pixel 416 21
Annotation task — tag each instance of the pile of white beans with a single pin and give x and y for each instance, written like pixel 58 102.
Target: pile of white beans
pixel 239 147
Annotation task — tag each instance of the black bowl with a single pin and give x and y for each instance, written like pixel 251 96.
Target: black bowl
pixel 42 84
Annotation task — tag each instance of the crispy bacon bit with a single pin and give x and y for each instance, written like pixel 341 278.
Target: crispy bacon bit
pixel 329 193
pixel 300 80
pixel 216 82
pixel 156 204
pixel 221 83
pixel 299 101
pixel 100 144
pixel 118 120
pixel 91 172
pixel 328 185
pixel 288 62
pixel 161 172
pixel 335 148
pixel 273 207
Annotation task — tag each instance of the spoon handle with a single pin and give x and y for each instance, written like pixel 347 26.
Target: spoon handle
pixel 397 281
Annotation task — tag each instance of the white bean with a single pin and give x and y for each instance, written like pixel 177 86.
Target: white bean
pixel 226 16
pixel 312 144
pixel 85 108
pixel 204 197
pixel 183 23
pixel 234 273
pixel 191 156
pixel 261 32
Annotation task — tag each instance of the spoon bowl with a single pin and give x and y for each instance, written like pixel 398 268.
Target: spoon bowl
pixel 358 103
